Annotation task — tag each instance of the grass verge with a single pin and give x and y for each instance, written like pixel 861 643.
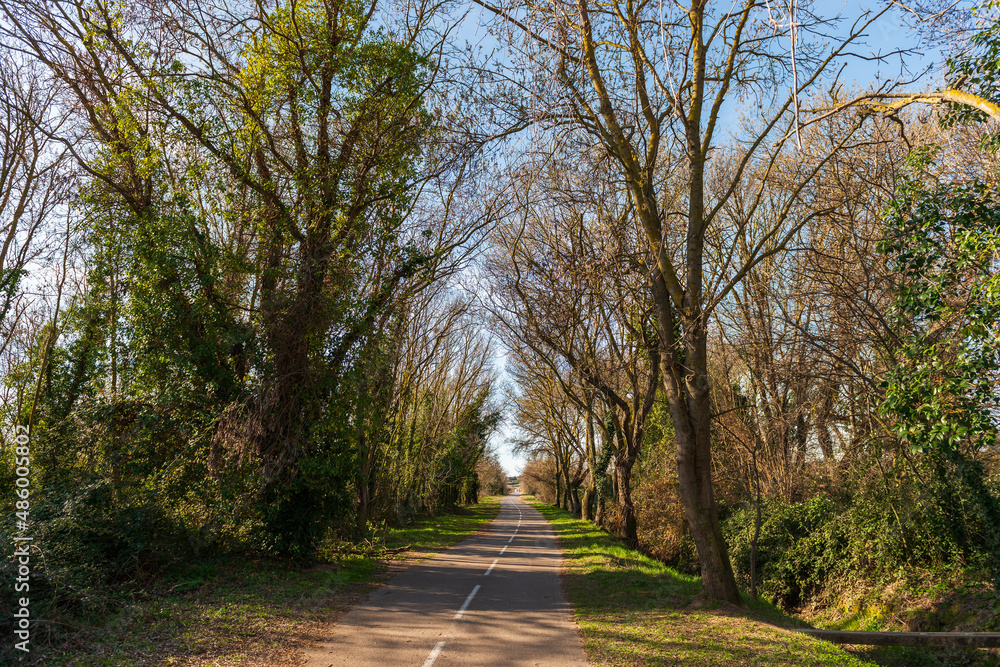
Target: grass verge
pixel 633 610
pixel 247 613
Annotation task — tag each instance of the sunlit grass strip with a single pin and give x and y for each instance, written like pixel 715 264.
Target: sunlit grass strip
pixel 634 610
pixel 433 534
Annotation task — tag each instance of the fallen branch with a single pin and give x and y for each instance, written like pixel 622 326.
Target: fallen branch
pixel 950 639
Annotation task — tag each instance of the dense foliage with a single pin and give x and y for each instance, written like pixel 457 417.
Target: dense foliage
pixel 257 346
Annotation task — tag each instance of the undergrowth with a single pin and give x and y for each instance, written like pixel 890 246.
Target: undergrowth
pixel 633 609
pixel 225 610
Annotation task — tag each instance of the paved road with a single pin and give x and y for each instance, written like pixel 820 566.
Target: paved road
pixel 494 599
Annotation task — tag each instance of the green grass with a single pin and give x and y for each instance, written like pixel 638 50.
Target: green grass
pixel 633 610
pixel 440 532
pixel 243 612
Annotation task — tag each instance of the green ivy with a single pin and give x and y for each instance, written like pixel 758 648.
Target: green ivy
pixel 943 240
pixel 977 71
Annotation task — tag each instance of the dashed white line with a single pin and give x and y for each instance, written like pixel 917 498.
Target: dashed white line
pixel 504 549
pixel 468 600
pixel 440 645
pixel 511 539
pixel 486 574
pixel 434 654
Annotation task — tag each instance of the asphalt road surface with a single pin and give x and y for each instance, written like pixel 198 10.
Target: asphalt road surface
pixel 494 599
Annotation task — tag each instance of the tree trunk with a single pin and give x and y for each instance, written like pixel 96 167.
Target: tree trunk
pixel 685 381
pixel 599 517
pixel 823 424
pixel 801 443
pixel 588 506
pixel 590 493
pixel 756 528
pixel 623 470
pixel 364 482
pixel 558 485
pixel 362 518
pixel 572 502
pixel 614 486
pixel 694 464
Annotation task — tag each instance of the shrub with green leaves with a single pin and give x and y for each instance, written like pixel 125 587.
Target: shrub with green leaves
pixel 943 237
pixel 914 512
pixel 800 545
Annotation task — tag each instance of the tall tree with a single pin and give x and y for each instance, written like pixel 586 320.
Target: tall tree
pixel 563 275
pixel 653 87
pixel 34 185
pixel 304 110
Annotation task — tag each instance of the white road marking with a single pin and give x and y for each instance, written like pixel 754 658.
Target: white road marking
pixel 504 549
pixel 491 567
pixel 468 600
pixel 440 645
pixel 434 654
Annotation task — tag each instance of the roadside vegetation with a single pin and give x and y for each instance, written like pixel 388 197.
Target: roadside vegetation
pixel 241 611
pixel 274 274
pixel 635 610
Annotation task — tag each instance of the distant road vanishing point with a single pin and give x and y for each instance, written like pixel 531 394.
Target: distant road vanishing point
pixel 493 600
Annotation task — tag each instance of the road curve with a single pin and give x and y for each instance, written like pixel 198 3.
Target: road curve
pixel 494 599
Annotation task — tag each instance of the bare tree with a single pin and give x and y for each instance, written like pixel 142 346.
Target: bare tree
pixel 34 190
pixel 651 86
pixel 564 285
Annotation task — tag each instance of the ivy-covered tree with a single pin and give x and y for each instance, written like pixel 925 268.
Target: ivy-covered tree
pixel 253 182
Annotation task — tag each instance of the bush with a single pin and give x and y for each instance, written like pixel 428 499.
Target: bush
pixel 664 533
pixel 120 491
pixel 881 523
pixel 800 545
pixel 300 512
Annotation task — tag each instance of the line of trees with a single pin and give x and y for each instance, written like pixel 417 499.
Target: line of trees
pixel 231 261
pixel 255 260
pixel 705 229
